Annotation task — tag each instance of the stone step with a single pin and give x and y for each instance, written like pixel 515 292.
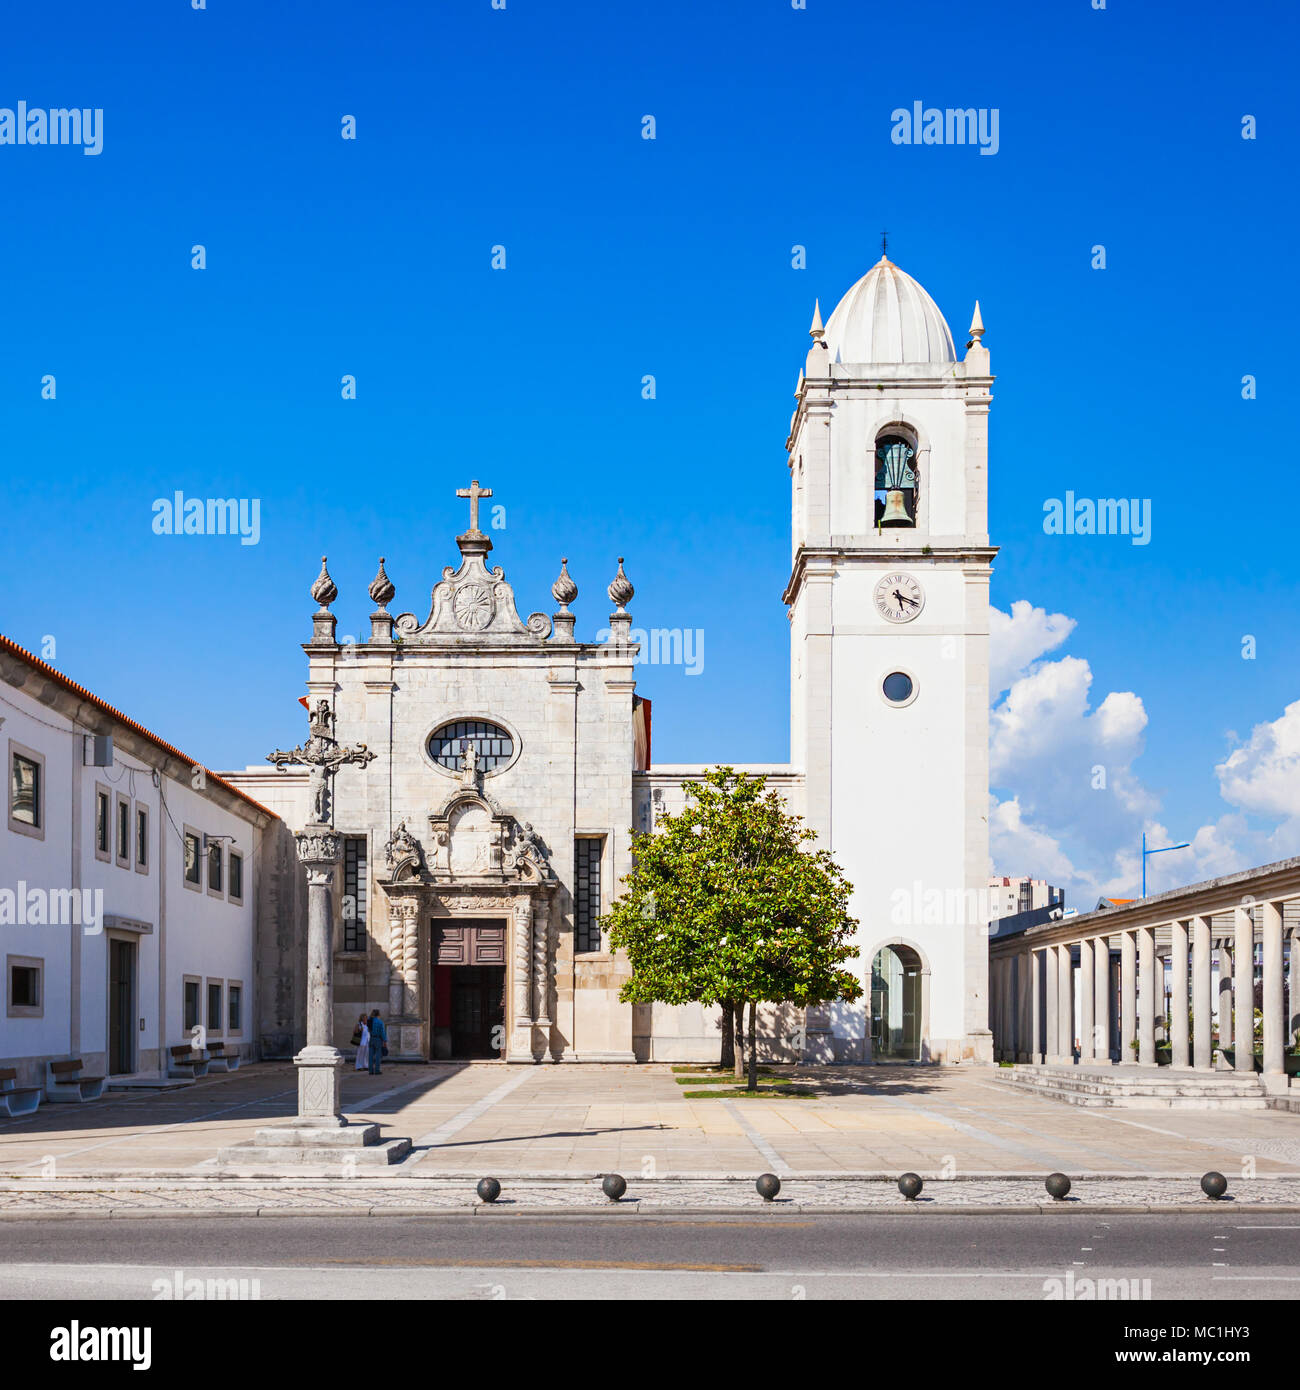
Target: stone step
pixel 262 1157
pixel 1148 1092
pixel 293 1135
pixel 1190 1088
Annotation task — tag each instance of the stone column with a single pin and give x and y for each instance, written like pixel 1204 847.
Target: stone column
pixel 1202 1001
pixel 1293 987
pixel 1271 926
pixel 1177 1023
pixel 1000 1016
pixel 1128 997
pixel 1087 1007
pixel 1052 1042
pixel 396 955
pixel 410 961
pixel 1037 1032
pixel 1065 1006
pixel 542 972
pixel 1148 997
pixel 1101 998
pixel 1027 1034
pixel 1225 998
pixel 320 1063
pixel 1243 993
pixel 521 1032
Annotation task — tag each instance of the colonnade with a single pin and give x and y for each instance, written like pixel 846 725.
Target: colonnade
pixel 1087 989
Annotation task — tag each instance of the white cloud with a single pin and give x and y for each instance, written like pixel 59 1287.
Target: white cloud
pixel 1074 807
pixel 1263 775
pixel 1017 639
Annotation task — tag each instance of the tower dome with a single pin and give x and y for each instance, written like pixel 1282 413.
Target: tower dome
pixel 888 317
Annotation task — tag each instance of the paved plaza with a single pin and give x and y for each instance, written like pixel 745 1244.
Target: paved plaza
pixel 548 1132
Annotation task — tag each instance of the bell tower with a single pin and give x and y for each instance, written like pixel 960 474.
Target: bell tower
pixel 889 631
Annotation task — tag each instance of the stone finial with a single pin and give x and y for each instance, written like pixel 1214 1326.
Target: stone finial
pixel 620 590
pixel 564 590
pixel 976 327
pixel 382 588
pixel 324 590
pixel 817 332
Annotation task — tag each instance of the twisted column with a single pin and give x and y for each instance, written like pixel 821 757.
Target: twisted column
pixel 410 960
pixel 542 965
pixel 396 955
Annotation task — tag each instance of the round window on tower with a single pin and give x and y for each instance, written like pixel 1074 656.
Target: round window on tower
pixel 493 746
pixel 898 688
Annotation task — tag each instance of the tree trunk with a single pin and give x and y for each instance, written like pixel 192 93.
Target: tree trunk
pixel 753 1047
pixel 738 1015
pixel 728 1059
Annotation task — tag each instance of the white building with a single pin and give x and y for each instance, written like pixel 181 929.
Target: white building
pixel 127 890
pixel 889 628
pixel 478 877
pixel 1010 895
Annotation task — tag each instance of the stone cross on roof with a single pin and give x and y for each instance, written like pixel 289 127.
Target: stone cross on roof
pixel 473 492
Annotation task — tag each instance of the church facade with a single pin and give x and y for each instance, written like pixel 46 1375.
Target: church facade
pixel 506 764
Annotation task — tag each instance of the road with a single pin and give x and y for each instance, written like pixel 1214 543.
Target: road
pixel 1217 1255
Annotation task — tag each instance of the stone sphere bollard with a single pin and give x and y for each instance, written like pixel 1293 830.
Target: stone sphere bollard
pixel 1214 1185
pixel 488 1189
pixel 768 1186
pixel 613 1185
pixel 910 1186
pixel 1058 1186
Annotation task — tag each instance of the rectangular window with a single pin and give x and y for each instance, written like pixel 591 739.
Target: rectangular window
pixel 234 1001
pixel 214 1006
pixel 103 824
pixel 142 838
pixel 235 878
pixel 354 893
pixel 123 830
pixel 586 893
pixel 216 867
pixel 191 1005
pixel 26 792
pixel 25 987
pixel 193 866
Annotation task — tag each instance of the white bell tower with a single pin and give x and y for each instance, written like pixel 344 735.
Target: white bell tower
pixel 888 605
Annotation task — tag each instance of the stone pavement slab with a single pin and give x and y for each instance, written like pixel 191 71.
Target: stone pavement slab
pixel 553 1121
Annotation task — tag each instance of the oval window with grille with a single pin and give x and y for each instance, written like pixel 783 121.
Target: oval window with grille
pixel 493 744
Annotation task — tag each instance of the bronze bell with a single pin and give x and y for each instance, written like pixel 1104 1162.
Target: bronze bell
pixel 895 513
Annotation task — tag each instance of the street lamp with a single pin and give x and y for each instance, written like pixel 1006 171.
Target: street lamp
pixel 1146 852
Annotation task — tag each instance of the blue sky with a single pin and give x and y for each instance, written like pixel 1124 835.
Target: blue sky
pixel 672 257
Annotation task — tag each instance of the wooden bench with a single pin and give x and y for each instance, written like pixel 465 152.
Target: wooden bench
pixel 186 1064
pixel 221 1060
pixel 66 1082
pixel 14 1099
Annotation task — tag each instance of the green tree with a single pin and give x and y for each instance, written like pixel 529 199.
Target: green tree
pixel 727 905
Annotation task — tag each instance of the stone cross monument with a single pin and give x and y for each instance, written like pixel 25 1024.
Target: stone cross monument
pixel 320 1063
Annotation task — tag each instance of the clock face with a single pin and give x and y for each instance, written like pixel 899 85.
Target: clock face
pixel 899 598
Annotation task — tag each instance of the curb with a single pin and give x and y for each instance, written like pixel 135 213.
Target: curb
pixel 634 1209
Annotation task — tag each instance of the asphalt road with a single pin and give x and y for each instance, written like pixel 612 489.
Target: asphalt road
pixel 1217 1255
